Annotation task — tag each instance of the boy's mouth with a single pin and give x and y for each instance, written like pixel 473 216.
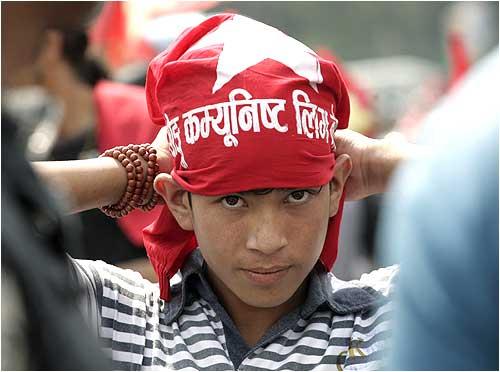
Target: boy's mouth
pixel 266 276
pixel 268 270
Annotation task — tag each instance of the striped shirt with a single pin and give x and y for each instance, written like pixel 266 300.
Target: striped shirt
pixel 341 325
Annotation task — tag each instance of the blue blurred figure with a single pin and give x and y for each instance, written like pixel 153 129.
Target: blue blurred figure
pixel 441 224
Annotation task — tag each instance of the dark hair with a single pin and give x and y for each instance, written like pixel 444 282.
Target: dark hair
pixel 75 44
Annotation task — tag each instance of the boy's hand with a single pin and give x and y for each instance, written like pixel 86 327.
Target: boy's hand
pixel 358 147
pixel 160 143
pixel 373 161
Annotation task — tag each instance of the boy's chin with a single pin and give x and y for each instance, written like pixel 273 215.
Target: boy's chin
pixel 266 302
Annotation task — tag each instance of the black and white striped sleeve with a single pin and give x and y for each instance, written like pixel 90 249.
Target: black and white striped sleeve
pixel 112 293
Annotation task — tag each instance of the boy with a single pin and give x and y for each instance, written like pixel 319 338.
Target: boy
pixel 250 116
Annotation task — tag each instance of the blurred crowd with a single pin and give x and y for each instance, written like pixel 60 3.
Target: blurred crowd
pixel 73 79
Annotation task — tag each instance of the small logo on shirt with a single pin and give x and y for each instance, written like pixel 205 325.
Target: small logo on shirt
pixel 352 351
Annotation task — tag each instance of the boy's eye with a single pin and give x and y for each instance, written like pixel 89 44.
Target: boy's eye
pixel 298 196
pixel 232 201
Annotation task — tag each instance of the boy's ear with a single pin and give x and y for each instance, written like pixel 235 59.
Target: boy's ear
pixel 176 198
pixel 341 172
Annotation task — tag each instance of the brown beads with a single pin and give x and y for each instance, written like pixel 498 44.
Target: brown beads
pixel 139 181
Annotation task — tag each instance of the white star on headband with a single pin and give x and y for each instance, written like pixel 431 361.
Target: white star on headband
pixel 247 42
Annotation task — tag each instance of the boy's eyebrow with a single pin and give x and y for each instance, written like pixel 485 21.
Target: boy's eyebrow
pixel 282 189
pixel 260 191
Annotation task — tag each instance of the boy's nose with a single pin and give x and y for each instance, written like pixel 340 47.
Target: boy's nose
pixel 267 233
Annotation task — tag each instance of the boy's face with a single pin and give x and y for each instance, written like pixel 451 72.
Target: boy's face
pixel 260 247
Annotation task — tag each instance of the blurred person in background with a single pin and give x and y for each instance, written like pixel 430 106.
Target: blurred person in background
pixel 90 123
pixel 441 223
pixel 87 121
pixel 147 28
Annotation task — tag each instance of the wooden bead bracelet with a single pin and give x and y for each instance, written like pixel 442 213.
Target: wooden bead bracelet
pixel 139 183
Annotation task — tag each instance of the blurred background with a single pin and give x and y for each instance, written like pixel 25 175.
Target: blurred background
pixel 68 66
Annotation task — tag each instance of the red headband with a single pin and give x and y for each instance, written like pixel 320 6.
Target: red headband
pixel 247 108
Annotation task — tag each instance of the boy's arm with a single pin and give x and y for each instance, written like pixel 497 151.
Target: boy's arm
pixel 96 182
pixel 92 183
pixel 374 161
pixel 87 184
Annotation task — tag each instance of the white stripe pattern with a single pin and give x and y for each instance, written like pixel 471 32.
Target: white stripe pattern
pixel 135 331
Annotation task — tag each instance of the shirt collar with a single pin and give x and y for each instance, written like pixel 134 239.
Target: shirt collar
pixel 192 268
pixel 341 297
